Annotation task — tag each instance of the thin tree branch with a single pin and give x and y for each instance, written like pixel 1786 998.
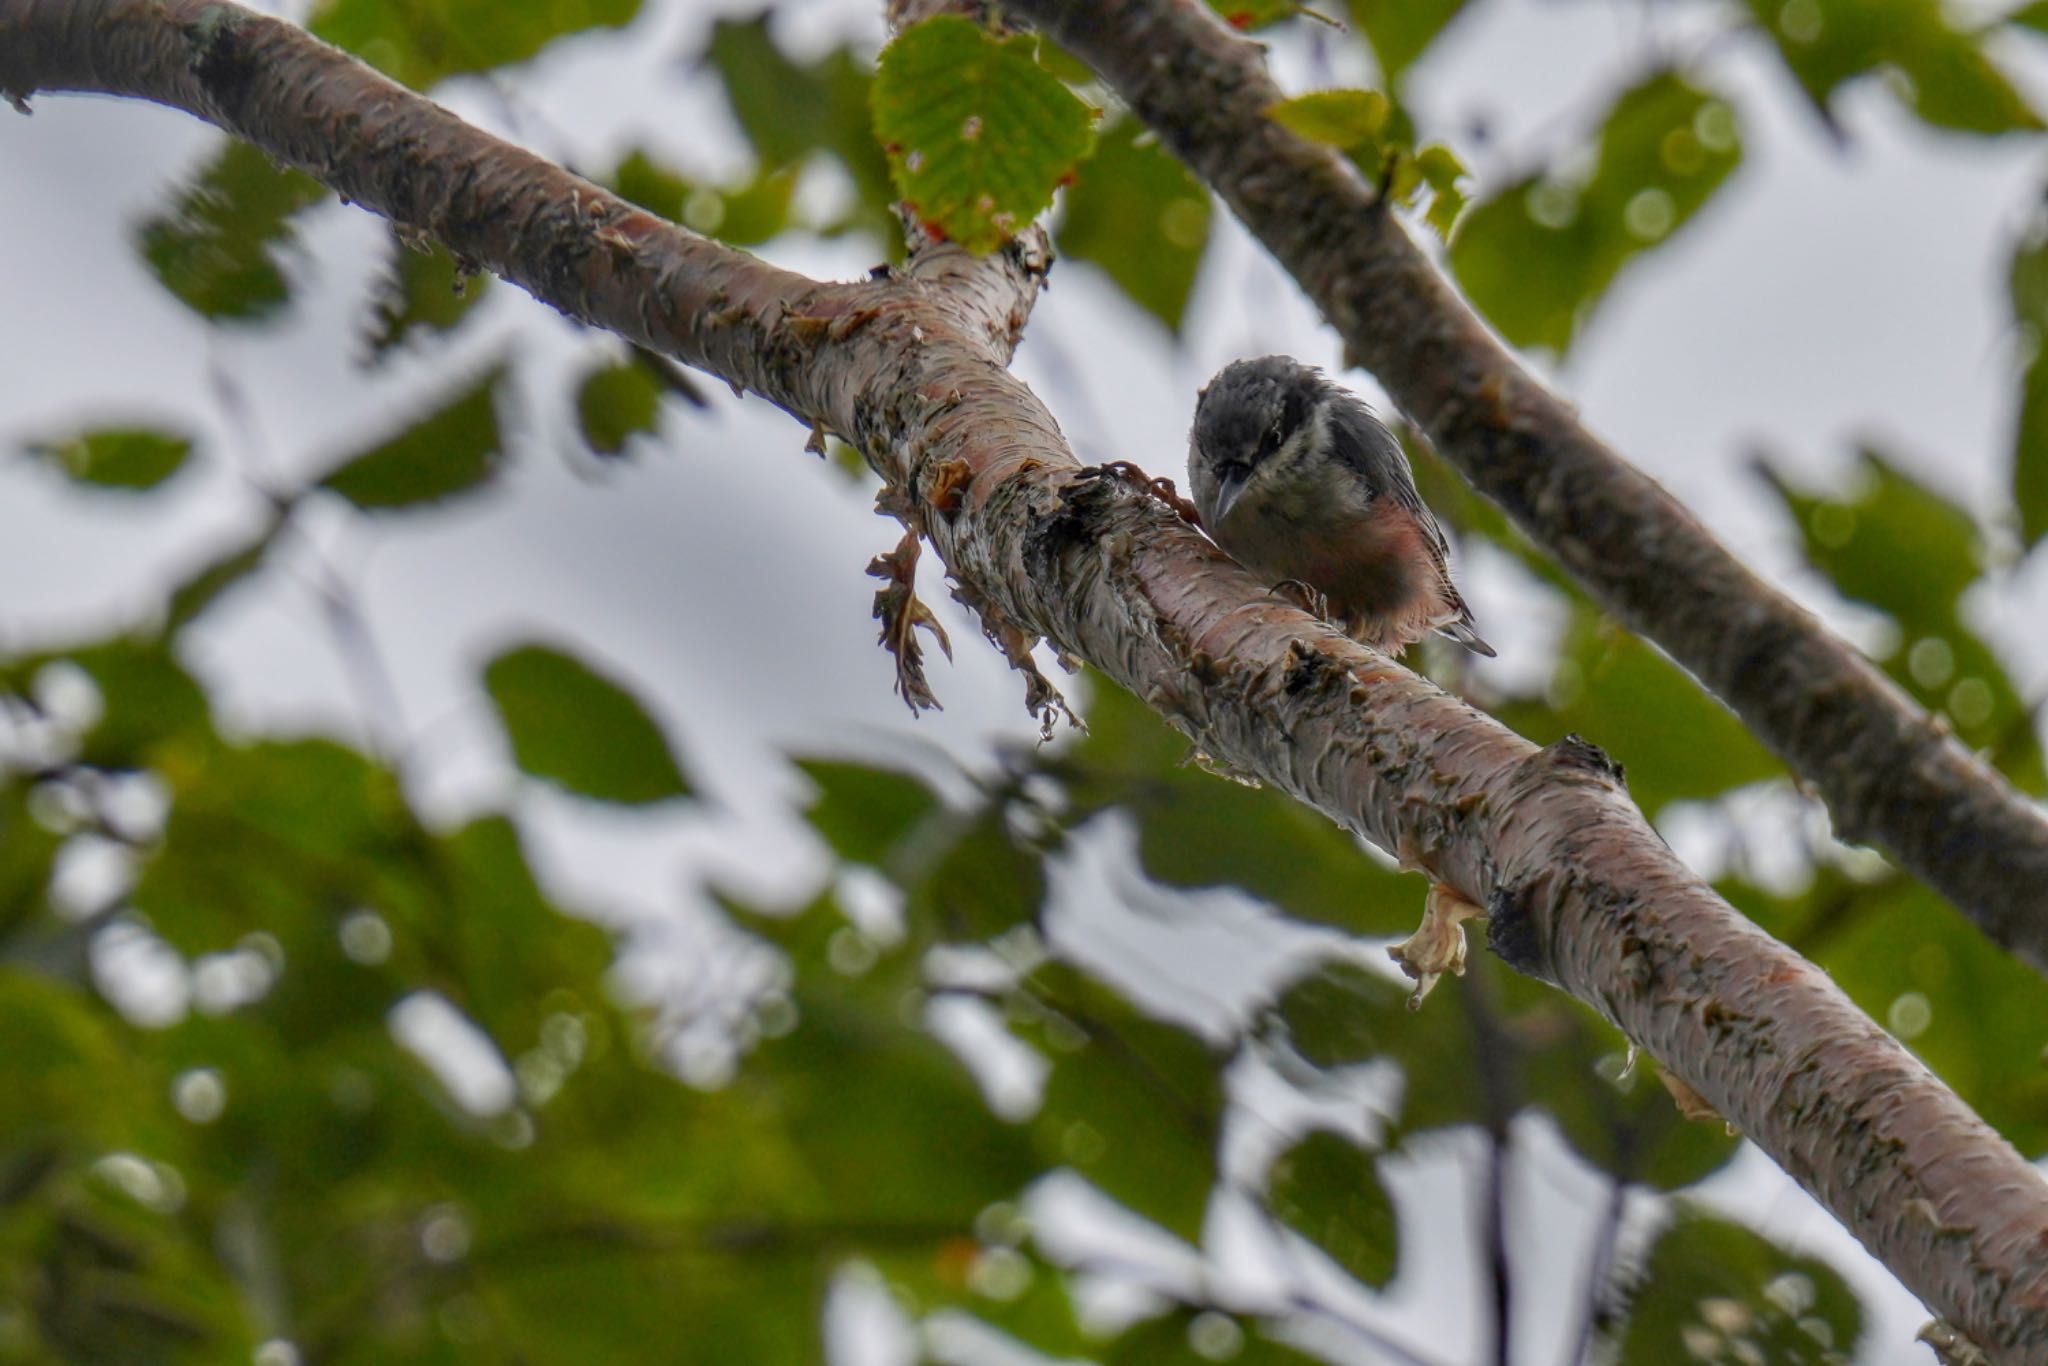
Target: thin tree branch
pixel 1582 893
pixel 1891 775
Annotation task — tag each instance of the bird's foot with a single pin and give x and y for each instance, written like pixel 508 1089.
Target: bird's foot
pixel 1438 944
pixel 1160 487
pixel 1306 596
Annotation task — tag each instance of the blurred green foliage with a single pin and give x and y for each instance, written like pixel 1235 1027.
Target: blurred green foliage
pixel 420 43
pixel 1937 66
pixel 252 1149
pixel 215 246
pixel 1136 212
pixel 1663 148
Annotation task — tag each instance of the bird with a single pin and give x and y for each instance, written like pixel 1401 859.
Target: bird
pixel 1296 480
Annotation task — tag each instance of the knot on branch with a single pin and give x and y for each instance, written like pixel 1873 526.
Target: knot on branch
pixel 220 58
pixel 1514 931
pixel 1574 753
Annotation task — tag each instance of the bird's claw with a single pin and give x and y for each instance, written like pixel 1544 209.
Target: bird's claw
pixel 1158 486
pixel 1306 596
pixel 1438 944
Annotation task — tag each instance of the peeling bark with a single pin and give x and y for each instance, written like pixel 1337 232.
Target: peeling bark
pixel 912 370
pixel 1891 775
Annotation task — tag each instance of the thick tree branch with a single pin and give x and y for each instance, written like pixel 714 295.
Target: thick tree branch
pixel 1891 775
pixel 912 371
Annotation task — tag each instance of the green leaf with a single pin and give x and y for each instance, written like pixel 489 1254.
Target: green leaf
pixel 117 457
pixel 744 215
pixel 1189 1337
pixel 449 451
pixel 1941 72
pixel 1134 210
pixel 614 403
pixel 1900 547
pixel 200 589
pixel 977 133
pixel 862 812
pixel 1328 1190
pixel 1338 118
pixel 579 729
pixel 1537 257
pixel 279 837
pixel 58 1058
pixel 28 856
pixel 1676 741
pixel 1132 1104
pixel 422 44
pixel 1716 1293
pixel 419 291
pixel 147 701
pixel 1441 170
pixel 216 247
pixel 1557 1055
pixel 1400 30
pixel 2028 290
pixel 789 111
pixel 1198 830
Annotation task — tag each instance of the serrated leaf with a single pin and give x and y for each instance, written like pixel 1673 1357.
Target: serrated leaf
pixel 1537 257
pixel 449 451
pixel 977 133
pixel 1717 1293
pixel 1134 210
pixel 1328 1189
pixel 1942 73
pixel 419 292
pixel 134 458
pixel 1441 170
pixel 216 247
pixel 577 728
pixel 1400 30
pixel 420 45
pixel 615 403
pixel 1338 118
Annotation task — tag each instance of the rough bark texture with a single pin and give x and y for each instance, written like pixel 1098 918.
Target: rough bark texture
pixel 912 370
pixel 1891 775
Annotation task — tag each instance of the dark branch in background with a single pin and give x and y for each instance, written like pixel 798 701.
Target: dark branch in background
pixel 911 370
pixel 1891 775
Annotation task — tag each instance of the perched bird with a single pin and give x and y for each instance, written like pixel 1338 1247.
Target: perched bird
pixel 1298 482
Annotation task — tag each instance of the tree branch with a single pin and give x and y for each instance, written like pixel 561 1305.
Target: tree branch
pixel 1581 891
pixel 1891 775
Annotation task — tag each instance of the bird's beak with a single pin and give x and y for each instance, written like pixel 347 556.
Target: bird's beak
pixel 1228 490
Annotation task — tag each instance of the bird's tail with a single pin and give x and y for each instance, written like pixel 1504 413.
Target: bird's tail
pixel 1462 632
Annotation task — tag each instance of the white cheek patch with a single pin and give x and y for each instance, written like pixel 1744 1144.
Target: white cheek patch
pixel 1306 492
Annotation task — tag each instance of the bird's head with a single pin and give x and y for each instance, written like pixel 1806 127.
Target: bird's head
pixel 1251 413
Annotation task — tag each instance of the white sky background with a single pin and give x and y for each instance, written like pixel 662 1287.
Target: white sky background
pixel 1824 297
